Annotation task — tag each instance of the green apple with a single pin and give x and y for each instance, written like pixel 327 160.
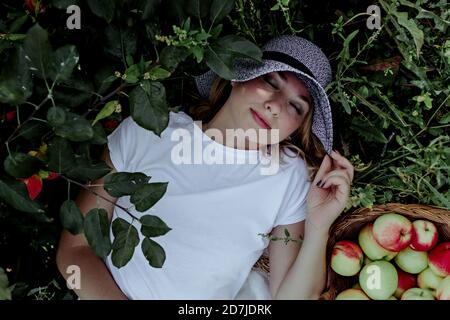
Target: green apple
pixel 378 280
pixel 352 294
pixel 412 261
pixel 392 298
pixel 346 258
pixel 417 294
pixel 443 290
pixel 370 246
pixel 427 279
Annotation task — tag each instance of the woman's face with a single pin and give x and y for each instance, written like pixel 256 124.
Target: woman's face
pixel 277 100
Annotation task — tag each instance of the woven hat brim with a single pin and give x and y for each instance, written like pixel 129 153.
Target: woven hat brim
pixel 322 126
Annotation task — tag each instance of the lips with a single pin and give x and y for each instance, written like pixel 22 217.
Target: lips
pixel 260 120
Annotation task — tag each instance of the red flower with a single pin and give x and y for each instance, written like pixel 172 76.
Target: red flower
pixel 52 175
pixel 110 124
pixel 35 6
pixel 34 185
pixel 10 115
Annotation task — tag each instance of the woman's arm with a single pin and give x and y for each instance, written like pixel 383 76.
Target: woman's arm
pixel 96 281
pixel 306 277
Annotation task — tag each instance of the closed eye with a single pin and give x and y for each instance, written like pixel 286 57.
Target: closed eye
pixel 297 108
pixel 269 80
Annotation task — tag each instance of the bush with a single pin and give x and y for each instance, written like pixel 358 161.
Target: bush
pixel 62 91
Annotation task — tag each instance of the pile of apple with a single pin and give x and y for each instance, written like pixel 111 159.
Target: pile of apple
pixel 422 265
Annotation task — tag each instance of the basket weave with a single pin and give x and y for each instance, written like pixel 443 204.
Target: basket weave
pixel 347 227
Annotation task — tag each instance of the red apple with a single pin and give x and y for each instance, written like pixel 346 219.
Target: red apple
pixel 405 282
pixel 439 259
pixel 346 258
pixel 392 231
pixel 424 235
pixel 371 247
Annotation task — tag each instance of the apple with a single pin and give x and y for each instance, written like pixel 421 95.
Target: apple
pixel 412 261
pixel 352 294
pixel 443 290
pixel 392 231
pixel 367 260
pixel 378 279
pixel 392 298
pixel 427 279
pixel 346 258
pixel 370 247
pixel 439 259
pixel 424 235
pixel 356 286
pixel 417 294
pixel 405 282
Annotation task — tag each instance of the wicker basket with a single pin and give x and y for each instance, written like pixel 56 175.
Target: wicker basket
pixel 347 227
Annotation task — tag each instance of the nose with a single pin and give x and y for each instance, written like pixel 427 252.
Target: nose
pixel 274 107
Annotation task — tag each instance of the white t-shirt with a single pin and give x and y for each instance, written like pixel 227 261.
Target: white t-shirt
pixel 216 212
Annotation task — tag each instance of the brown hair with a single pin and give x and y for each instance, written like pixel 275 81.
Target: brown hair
pixel 303 142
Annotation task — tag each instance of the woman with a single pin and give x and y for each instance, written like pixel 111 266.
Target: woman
pixel 219 202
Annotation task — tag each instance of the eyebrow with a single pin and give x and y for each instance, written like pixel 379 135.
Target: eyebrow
pixel 301 96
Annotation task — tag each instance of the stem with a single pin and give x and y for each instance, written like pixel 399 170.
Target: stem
pixel 99 195
pixel 102 100
pixel 10 138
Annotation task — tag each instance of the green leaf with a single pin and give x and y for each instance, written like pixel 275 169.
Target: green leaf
pixel 411 26
pixel 153 252
pixel 5 291
pixel 33 130
pixel 96 230
pixel 21 165
pixel 62 64
pixel 76 128
pixel 38 50
pixel 445 118
pixel 198 53
pixel 126 238
pixel 103 8
pixel 16 196
pixel 132 74
pixel 149 106
pixel 56 116
pixel 120 42
pixel 171 56
pixel 99 135
pixel 63 4
pixel 60 155
pixel 220 61
pixel 239 46
pixel 220 9
pixel 121 184
pixel 158 73
pixel 16 85
pixel 86 171
pixel 369 132
pixel 147 195
pixel 106 111
pixel 153 226
pixel 71 217
pixel 286 233
pixel 74 91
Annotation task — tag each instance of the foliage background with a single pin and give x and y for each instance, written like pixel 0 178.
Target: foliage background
pixel 390 98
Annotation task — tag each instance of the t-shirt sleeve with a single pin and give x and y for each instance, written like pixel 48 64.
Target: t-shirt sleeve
pixel 293 207
pixel 121 143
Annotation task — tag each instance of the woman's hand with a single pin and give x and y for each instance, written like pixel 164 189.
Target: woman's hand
pixel 329 191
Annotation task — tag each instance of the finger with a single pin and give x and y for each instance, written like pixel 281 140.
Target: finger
pixel 343 162
pixel 325 167
pixel 340 182
pixel 342 173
